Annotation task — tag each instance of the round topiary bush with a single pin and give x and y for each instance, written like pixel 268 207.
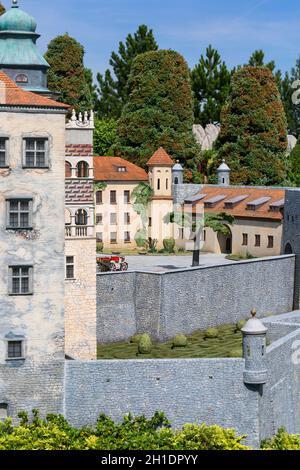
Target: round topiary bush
pixel 135 339
pixel 240 324
pixel 169 245
pixel 180 341
pixel 145 344
pixel 211 333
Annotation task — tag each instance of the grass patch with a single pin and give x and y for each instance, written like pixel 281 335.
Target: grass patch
pixel 227 344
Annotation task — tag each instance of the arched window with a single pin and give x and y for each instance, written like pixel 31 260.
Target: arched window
pixel 68 169
pixel 176 180
pixel 81 217
pixel 68 218
pixel 82 170
pixel 288 249
pixel 3 411
pixel 21 78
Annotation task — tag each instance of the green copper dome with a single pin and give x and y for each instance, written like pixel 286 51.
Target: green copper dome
pixel 17 20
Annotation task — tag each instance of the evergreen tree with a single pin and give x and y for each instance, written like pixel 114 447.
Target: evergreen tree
pixel 253 129
pixel 113 91
pixel 257 59
pixel 91 86
pixel 67 74
pixel 2 9
pixel 295 164
pixel 210 84
pixel 104 136
pixel 159 111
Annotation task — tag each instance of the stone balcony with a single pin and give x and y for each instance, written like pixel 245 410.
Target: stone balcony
pixel 80 231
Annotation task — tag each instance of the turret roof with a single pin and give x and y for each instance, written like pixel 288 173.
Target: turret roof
pixel 160 158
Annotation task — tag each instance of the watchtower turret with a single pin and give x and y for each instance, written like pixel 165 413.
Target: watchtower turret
pixel 254 347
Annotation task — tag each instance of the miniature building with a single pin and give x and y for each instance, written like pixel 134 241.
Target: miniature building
pixel 223 173
pixel 177 174
pixel 254 347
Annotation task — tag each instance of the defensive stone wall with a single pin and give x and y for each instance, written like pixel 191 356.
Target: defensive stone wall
pixel 165 304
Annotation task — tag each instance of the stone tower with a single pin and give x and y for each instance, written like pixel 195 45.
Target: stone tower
pixel 160 179
pixel 254 347
pixel 80 252
pixel 223 173
pixel 20 58
pixel 177 173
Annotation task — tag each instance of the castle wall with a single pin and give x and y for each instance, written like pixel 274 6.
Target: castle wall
pixel 38 318
pixel 165 304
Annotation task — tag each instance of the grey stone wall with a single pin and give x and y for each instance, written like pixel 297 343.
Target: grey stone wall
pixel 165 304
pixel 182 191
pixel 188 391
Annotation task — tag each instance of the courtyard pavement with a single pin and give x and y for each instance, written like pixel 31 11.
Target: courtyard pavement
pixel 171 263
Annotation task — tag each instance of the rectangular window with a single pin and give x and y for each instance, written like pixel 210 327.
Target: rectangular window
pixel 245 239
pixel 19 213
pixel 99 219
pixel 257 240
pixel 270 241
pixel 127 218
pixel 35 153
pixel 99 197
pixel 181 233
pixel 14 350
pixel 113 237
pixel 113 197
pixel 70 267
pixel 126 197
pixel 99 237
pixel 3 152
pixel 150 222
pixel 21 280
pixel 127 237
pixel 113 218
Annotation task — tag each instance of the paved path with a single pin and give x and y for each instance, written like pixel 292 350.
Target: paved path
pixel 170 263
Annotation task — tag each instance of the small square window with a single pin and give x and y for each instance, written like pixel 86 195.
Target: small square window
pixel 35 153
pixel 21 280
pixel 14 349
pixel 19 213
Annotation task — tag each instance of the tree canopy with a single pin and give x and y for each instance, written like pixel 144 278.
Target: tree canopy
pixel 2 9
pixel 104 136
pixel 159 112
pixel 67 74
pixel 253 129
pixel 113 90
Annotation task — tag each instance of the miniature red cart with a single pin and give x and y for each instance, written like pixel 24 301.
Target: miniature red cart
pixel 108 263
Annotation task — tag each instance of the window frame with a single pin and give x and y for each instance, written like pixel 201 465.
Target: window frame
pixel 126 196
pixel 115 240
pixel 271 242
pixel 257 241
pixel 19 200
pixel 98 240
pixel 6 165
pixel 12 338
pixel 99 197
pixel 70 264
pixel 46 150
pixel 11 277
pixel 127 239
pixel 113 220
pixel 113 200
pixel 245 241
pixel 127 218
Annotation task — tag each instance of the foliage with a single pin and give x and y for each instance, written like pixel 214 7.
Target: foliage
pixel 100 186
pixel 159 112
pixel 211 333
pixel 151 245
pixel 67 74
pixel 2 9
pixel 240 256
pixel 132 433
pixel 203 170
pixel 141 238
pixel 219 222
pixel 135 339
pixel 282 441
pixel 257 59
pixel 89 78
pixel 295 163
pixel 240 324
pixel 99 247
pixel 141 196
pixel 169 245
pixel 210 83
pixel 180 341
pixel 253 129
pixel 145 344
pixel 104 136
pixel 114 91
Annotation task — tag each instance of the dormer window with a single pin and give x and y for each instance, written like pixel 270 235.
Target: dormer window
pixel 122 169
pixel 21 78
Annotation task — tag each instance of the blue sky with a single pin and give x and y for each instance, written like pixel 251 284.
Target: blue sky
pixel 234 27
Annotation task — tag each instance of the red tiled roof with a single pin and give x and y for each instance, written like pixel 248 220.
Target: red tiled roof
pixel 160 157
pixel 79 150
pixel 107 169
pixel 240 209
pixel 12 95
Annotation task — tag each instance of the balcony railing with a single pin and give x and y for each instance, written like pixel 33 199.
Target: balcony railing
pixel 80 231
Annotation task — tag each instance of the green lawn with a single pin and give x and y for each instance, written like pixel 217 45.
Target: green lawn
pixel 228 344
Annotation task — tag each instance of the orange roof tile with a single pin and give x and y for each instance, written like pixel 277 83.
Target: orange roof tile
pixel 240 209
pixel 108 169
pixel 12 95
pixel 160 157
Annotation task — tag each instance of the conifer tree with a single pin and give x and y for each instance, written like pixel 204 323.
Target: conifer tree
pixel 159 111
pixel 210 84
pixel 67 74
pixel 2 9
pixel 257 59
pixel 253 129
pixel 113 90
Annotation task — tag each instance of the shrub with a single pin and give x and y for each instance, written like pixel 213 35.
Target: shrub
pixel 236 353
pixel 100 247
pixel 211 333
pixel 240 324
pixel 140 238
pixel 145 344
pixel 135 339
pixel 282 441
pixel 151 245
pixel 169 245
pixel 180 341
